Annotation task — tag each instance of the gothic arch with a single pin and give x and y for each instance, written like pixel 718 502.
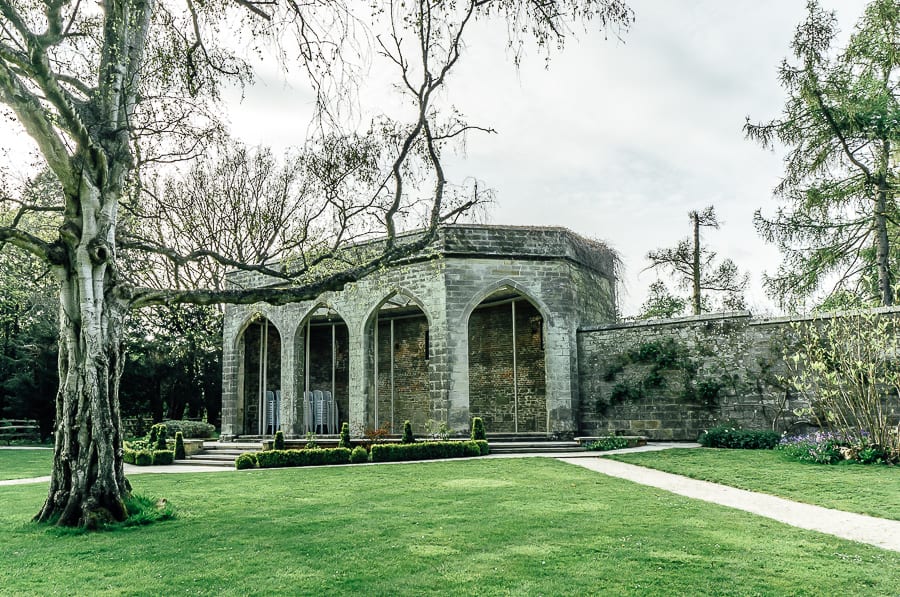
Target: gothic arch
pixel 519 288
pixel 397 362
pixel 506 361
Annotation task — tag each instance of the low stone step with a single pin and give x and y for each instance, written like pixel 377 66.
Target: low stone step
pixel 224 451
pixel 205 462
pixel 242 446
pixel 537 450
pixel 534 447
pixel 215 456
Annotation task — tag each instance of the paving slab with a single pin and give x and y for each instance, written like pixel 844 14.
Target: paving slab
pixel 879 532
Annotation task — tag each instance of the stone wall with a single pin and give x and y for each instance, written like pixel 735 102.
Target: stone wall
pixel 671 379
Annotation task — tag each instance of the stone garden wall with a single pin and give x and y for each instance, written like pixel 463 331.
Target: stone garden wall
pixel 671 379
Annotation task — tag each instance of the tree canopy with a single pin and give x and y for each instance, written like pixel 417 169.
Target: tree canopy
pixel 841 125
pixel 111 89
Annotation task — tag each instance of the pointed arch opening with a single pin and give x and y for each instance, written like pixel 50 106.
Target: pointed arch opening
pixel 260 386
pixel 507 363
pixel 398 358
pixel 322 351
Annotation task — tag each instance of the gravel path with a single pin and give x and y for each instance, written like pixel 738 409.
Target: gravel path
pixel 846 525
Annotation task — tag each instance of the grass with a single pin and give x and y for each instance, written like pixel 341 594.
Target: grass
pixel 866 489
pixel 23 463
pixel 485 527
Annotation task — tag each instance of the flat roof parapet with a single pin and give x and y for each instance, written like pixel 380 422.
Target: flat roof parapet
pixel 485 241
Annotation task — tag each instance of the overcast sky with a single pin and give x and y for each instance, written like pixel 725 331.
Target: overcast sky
pixel 618 140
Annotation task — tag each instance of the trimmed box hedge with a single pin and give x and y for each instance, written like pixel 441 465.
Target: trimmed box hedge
pixel 427 450
pixel 306 457
pixel 189 429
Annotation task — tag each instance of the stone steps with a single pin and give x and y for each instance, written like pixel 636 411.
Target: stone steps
pixel 534 447
pixel 225 453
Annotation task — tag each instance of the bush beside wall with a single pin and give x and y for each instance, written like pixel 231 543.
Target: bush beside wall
pixel 246 460
pixel 190 429
pixel 307 457
pixel 427 450
pixel 732 437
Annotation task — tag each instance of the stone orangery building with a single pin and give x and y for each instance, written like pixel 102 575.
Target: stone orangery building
pixel 483 324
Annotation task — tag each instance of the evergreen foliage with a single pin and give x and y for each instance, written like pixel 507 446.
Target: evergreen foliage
pixel 696 269
pixel 179 446
pixel 344 441
pixel 478 432
pixel 359 455
pixel 407 437
pixel 841 122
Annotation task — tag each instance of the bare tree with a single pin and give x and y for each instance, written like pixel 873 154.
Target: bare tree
pixel 105 88
pixel 695 268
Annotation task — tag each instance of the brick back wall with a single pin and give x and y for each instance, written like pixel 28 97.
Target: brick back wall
pixel 491 379
pixel 409 398
pixel 530 372
pixel 252 337
pixel 320 364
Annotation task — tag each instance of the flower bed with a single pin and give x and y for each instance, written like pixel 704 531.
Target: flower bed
pixel 831 447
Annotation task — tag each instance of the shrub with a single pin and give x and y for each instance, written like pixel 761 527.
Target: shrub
pixel 607 443
pixel 478 429
pixel 190 429
pixel 278 444
pixel 143 458
pixel 426 450
pixel 373 436
pixel 472 448
pixel 157 437
pixel 847 368
pixel 358 455
pixel 307 457
pixel 407 433
pixel 128 456
pixel 483 446
pixel 344 441
pixel 179 446
pixel 246 460
pixel 735 437
pixel 163 456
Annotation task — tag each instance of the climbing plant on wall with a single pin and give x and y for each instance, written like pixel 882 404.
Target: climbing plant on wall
pixel 668 366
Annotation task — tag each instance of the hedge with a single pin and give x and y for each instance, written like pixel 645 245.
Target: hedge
pixel 427 450
pixel 246 460
pixel 147 457
pixel 163 456
pixel 732 437
pixel 307 457
pixel 189 429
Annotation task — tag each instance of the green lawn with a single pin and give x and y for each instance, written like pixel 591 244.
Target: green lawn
pixel 480 527
pixel 867 489
pixel 22 464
